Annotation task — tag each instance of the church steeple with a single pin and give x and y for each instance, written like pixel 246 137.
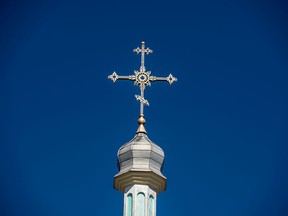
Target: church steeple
pixel 140 161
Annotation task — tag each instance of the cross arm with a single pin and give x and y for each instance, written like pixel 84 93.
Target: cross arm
pixel 170 79
pixel 114 77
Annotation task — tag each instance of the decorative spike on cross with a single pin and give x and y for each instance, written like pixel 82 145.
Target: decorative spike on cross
pixel 142 78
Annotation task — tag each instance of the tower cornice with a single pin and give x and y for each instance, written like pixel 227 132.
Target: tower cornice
pixel 155 181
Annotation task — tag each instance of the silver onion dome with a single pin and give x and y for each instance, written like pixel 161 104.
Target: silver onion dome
pixel 140 161
pixel 140 154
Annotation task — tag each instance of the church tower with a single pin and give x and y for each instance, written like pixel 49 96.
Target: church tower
pixel 140 161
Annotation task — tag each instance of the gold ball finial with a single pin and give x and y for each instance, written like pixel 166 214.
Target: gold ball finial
pixel 141 120
pixel 143 43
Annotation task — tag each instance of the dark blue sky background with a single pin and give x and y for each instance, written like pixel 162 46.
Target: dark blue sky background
pixel 223 125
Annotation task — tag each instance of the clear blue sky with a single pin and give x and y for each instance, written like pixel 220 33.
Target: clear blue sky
pixel 223 125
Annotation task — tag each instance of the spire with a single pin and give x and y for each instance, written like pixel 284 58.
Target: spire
pixel 142 78
pixel 140 161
